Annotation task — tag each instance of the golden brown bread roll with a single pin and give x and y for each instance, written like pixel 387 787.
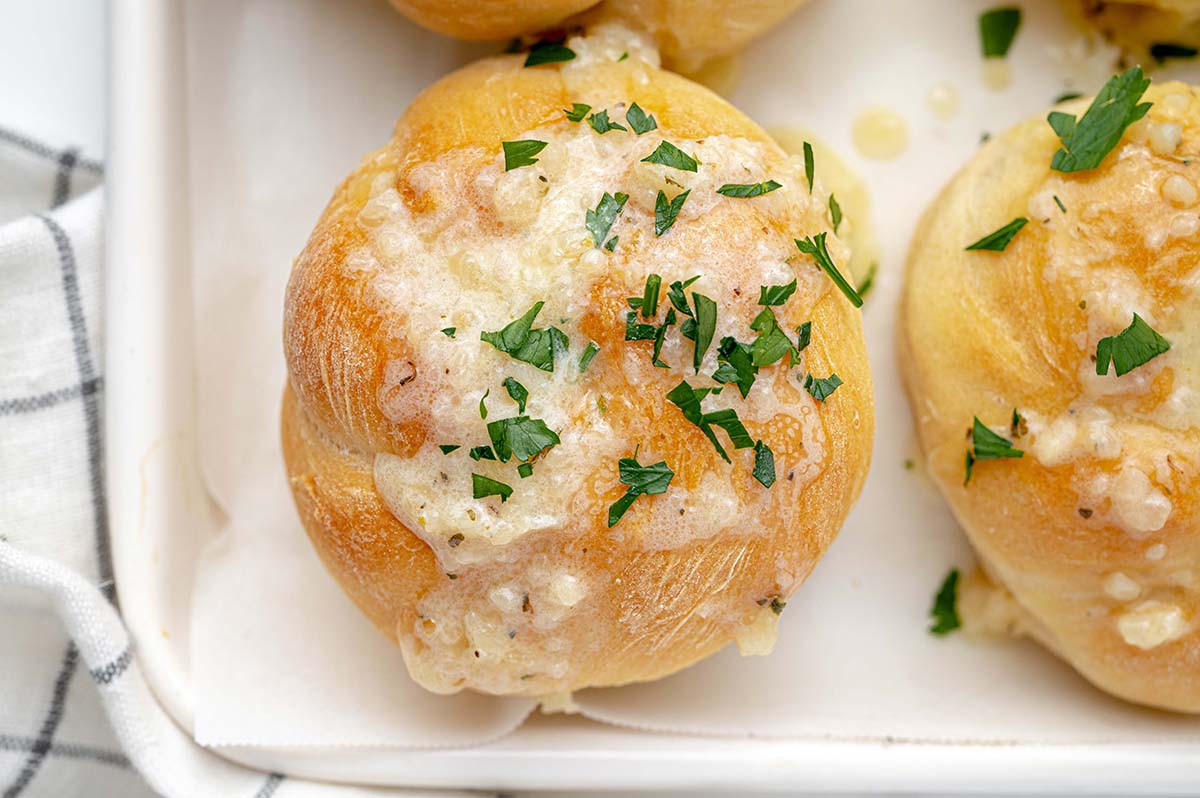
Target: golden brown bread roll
pixel 1139 24
pixel 1095 530
pixel 688 32
pixel 430 244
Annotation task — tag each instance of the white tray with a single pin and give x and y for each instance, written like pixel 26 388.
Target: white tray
pixel 161 514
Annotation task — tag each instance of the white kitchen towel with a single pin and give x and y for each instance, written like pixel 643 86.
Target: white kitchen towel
pixel 76 714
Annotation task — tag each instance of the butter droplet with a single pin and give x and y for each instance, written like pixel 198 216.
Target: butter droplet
pixel 880 133
pixel 943 100
pixel 996 74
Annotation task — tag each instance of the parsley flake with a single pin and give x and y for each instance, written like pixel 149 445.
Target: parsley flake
pixel 821 388
pixel 1065 96
pixel 944 611
pixel 772 342
pixel 835 213
pixel 649 304
pixel 642 480
pixel 668 154
pixel 747 190
pixel 520 341
pixel 520 153
pixel 810 167
pixel 706 326
pixel 482 406
pixel 1134 346
pixel 482 487
pixel 764 464
pixel 636 330
pixel 449 331
pixel 997 29
pixel 521 437
pixel 805 331
pixel 1000 239
pixel 868 281
pixel 478 453
pixel 602 124
pixel 676 295
pixel 1161 51
pixel 987 445
pixel 817 250
pixel 639 120
pixel 525 470
pixel 578 111
pixel 1086 141
pixel 1059 203
pixel 736 365
pixel 775 294
pixel 546 52
pixel 687 399
pixel 449 447
pixel 518 393
pixel 666 212
pixel 589 352
pixel 600 220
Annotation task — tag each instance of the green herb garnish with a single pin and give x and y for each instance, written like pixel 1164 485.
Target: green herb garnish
pixel 483 407
pixel 636 330
pixel 997 241
pixel 602 124
pixel 1161 51
pixel 449 447
pixel 1134 346
pixel 578 112
pixel 649 304
pixel 521 342
pixel 1065 96
pixel 642 480
pixel 987 445
pixel 835 213
pixel 1086 141
pixel 944 611
pixel 817 250
pixel 736 365
pixel 518 393
pixel 639 120
pixel 805 331
pixel 545 52
pixel 706 326
pixel 997 29
pixel 478 453
pixel 482 487
pixel 1059 203
pixel 775 294
pixel 772 342
pixel 521 437
pixel 525 470
pixel 747 190
pixel 675 294
pixel 520 153
pixel 600 220
pixel 589 352
pixel 821 388
pixel 449 331
pixel 868 281
pixel 764 464
pixel 668 154
pixel 687 399
pixel 666 212
pixel 810 166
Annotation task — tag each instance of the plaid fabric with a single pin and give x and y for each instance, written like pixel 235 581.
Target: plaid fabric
pixel 76 715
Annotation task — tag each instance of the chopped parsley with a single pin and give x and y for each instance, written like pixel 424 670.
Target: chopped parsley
pixel 764 464
pixel 640 121
pixel 998 240
pixel 747 190
pixel 810 167
pixel 1018 427
pixel 668 154
pixel 449 447
pixel 821 388
pixel 1059 203
pixel 482 406
pixel 772 342
pixel 775 294
pixel 687 399
pixel 636 330
pixel 478 453
pixel 642 480
pixel 482 487
pixel 706 326
pixel 525 470
pixel 546 52
pixel 536 347
pixel 736 365
pixel 997 29
pixel 518 393
pixel 611 243
pixel 944 611
pixel 835 213
pixel 521 437
pixel 1086 141
pixel 578 111
pixel 649 304
pixel 987 445
pixel 660 337
pixel 602 124
pixel 817 250
pixel 600 220
pixel 1065 96
pixel 449 331
pixel 589 353
pixel 666 212
pixel 1134 346
pixel 676 295
pixel 520 153
pixel 1161 51
pixel 868 281
pixel 805 331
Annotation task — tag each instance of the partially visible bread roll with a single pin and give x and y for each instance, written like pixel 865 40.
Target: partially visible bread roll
pixel 688 32
pixel 440 239
pixel 1095 530
pixel 1139 24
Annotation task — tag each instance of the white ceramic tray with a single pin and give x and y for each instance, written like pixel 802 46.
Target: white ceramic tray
pixel 162 515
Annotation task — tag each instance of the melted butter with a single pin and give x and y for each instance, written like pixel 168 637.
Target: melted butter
pixel 757 638
pixel 943 100
pixel 880 133
pixel 997 74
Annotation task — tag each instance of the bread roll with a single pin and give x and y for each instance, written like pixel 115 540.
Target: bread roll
pixel 1095 530
pixel 689 32
pixel 1139 24
pixel 430 244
